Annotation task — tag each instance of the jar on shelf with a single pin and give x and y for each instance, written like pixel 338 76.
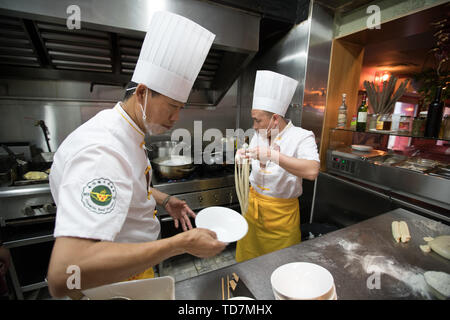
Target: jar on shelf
pixel 446 125
pixel 372 121
pixel 417 124
pixel 405 125
pixel 418 127
pixel 384 122
pixel 395 122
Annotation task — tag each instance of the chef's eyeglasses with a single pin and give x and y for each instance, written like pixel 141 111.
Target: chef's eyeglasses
pixel 132 88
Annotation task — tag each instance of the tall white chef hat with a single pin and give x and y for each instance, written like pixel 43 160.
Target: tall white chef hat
pixel 172 55
pixel 273 92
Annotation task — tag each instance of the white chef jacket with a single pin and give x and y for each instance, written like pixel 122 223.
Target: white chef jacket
pixel 99 184
pixel 273 180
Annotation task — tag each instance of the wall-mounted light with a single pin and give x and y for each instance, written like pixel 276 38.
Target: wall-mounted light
pixel 380 77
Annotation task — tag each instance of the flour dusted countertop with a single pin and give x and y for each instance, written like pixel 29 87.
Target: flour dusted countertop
pixel 364 259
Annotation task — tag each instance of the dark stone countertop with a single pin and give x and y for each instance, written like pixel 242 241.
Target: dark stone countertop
pixel 354 255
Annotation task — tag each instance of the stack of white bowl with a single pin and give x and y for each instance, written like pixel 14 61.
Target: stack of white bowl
pixel 303 281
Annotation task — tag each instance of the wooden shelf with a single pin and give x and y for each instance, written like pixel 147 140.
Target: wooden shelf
pixel 390 133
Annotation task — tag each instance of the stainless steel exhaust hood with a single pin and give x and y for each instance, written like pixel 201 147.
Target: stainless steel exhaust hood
pixel 35 42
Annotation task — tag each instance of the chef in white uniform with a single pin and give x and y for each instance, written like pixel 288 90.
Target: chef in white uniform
pixel 100 177
pixel 282 156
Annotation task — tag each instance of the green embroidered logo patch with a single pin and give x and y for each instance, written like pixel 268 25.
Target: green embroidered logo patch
pixel 99 196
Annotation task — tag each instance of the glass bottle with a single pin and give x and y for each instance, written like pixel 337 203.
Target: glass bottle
pixel 342 114
pixel 362 115
pixel 353 123
pixel 434 116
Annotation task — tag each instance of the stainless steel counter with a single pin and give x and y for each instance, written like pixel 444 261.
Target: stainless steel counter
pixel 431 189
pixel 356 256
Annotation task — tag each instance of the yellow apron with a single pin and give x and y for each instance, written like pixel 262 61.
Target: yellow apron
pixel 273 224
pixel 149 273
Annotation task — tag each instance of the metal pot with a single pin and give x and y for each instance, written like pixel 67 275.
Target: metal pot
pixel 18 165
pixel 173 167
pixel 6 162
pixel 8 170
pixel 218 159
pixel 7 178
pixel 163 149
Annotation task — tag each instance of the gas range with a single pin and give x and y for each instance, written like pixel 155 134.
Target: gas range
pixel 26 202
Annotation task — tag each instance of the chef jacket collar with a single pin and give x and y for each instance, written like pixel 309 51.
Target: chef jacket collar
pixel 136 132
pixel 280 134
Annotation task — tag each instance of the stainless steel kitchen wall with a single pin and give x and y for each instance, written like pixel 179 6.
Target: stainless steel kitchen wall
pixel 303 54
pixel 318 63
pixel 65 105
pixel 106 44
pixel 233 28
pixel 288 57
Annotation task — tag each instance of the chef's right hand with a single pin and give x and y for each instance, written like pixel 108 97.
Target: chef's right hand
pixel 202 243
pixel 242 154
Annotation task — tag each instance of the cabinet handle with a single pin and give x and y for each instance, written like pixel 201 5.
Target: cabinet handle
pixel 166 219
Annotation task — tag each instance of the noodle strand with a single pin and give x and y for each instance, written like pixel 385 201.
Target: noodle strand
pixel 241 178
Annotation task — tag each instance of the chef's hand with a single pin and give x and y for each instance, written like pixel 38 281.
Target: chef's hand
pixel 264 154
pixel 201 243
pixel 242 154
pixel 180 212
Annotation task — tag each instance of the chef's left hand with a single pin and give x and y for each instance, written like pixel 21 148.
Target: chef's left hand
pixel 180 212
pixel 264 154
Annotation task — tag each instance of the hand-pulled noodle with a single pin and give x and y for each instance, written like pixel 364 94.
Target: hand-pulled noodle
pixel 241 179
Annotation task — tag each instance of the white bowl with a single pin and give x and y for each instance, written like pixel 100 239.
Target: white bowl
pixel 302 281
pixel 228 224
pixel 162 288
pixel 331 296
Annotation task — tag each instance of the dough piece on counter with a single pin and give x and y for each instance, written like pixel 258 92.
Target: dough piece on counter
pixel 428 239
pixel 425 248
pixel 439 281
pixel 396 231
pixel 404 231
pixel 441 245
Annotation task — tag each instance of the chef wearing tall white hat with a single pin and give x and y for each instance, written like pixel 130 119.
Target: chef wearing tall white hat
pixel 100 178
pixel 282 155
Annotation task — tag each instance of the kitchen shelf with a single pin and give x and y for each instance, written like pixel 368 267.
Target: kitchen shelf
pixel 390 133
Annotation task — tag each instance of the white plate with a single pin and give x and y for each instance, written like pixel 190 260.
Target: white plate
pixel 228 224
pixel 302 281
pixel 360 147
pixel 162 288
pixel 241 298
